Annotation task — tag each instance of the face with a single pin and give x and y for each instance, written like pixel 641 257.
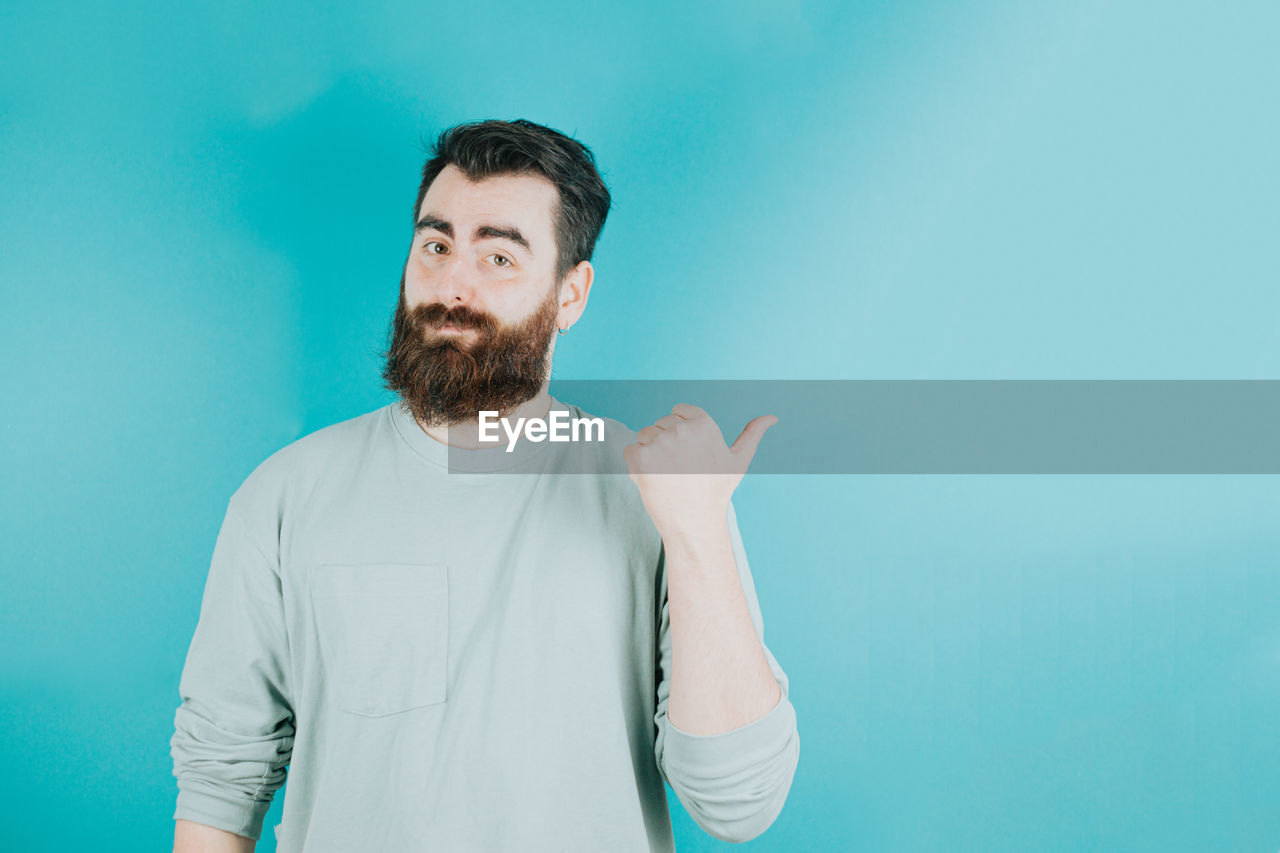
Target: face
pixel 478 308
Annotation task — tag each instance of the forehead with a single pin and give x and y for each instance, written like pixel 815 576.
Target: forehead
pixel 525 201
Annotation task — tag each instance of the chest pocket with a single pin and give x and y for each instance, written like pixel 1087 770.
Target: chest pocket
pixel 384 634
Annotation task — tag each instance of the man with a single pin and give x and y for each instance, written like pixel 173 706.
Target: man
pixel 451 646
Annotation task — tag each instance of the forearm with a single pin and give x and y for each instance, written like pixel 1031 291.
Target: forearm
pixel 191 837
pixel 720 678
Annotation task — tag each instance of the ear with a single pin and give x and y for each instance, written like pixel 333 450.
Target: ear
pixel 573 293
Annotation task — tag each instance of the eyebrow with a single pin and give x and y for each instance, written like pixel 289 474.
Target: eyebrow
pixel 482 232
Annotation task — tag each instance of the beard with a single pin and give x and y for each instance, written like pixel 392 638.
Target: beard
pixel 448 378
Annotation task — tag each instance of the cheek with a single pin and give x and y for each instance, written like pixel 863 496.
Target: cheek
pixel 416 279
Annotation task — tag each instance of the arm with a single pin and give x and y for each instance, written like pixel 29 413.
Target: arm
pixel 731 751
pixel 233 733
pixel 720 679
pixel 189 837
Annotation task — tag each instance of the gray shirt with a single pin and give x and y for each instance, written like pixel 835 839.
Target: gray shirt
pixel 453 661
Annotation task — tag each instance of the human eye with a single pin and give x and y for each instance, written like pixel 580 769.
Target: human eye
pixel 427 247
pixel 501 261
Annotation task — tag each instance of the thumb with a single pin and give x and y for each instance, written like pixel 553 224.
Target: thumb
pixel 746 445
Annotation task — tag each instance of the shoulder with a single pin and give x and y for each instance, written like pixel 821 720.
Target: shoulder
pixel 295 468
pixel 616 434
pixel 614 493
pixel 596 443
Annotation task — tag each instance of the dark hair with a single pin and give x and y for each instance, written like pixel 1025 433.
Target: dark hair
pixel 486 148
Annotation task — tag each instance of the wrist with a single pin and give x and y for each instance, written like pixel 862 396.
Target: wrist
pixel 695 535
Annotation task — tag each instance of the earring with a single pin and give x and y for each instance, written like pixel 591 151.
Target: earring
pixel 563 331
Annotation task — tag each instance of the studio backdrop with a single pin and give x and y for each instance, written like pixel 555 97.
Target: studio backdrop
pixel 206 211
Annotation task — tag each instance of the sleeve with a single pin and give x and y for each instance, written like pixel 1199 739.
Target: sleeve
pixel 234 730
pixel 735 783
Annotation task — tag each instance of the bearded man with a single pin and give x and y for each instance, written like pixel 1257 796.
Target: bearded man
pixel 453 646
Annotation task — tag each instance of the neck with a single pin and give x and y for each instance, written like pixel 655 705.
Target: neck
pixel 466 434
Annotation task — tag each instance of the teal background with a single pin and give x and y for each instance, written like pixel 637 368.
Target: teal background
pixel 206 210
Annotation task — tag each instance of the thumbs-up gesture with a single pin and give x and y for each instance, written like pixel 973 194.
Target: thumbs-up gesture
pixel 685 472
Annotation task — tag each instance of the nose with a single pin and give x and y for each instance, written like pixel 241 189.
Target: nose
pixel 453 284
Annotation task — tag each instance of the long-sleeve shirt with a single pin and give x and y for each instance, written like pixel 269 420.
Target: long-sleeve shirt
pixel 449 655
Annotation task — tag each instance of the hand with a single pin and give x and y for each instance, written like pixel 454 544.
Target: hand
pixel 684 471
